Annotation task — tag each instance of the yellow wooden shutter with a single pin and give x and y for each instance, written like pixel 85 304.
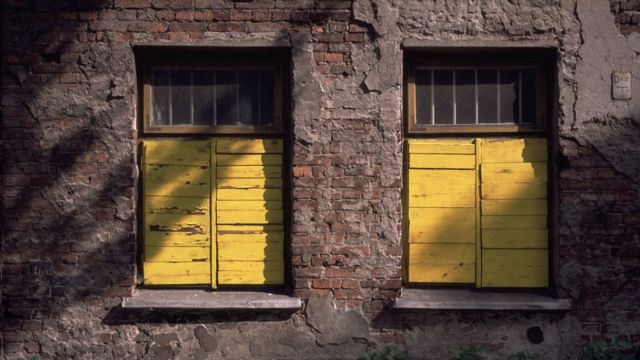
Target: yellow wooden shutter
pixel 478 201
pixel 249 211
pixel 514 213
pixel 442 211
pixel 176 212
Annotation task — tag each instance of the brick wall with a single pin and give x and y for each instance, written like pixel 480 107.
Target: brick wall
pixel 70 180
pixel 627 14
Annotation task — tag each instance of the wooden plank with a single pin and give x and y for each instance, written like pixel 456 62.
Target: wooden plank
pixel 253 251
pixel 459 177
pixel 255 183
pixel 224 172
pixel 249 194
pixel 177 205
pixel 193 279
pixel 248 146
pixel 159 238
pixel 514 150
pixel 442 188
pixel 514 190
pixel 177 173
pixel 177 152
pixel 249 160
pixel 197 224
pixel 176 273
pixel 514 172
pixel 478 268
pixel 273 277
pixel 239 265
pixel 249 205
pixel 515 238
pixel 514 222
pixel 442 253
pixel 442 147
pixel 213 249
pixel 252 237
pixel 442 273
pixel 442 225
pixel 249 229
pixel 428 161
pixel 515 268
pixel 250 217
pixel 514 207
pixel 167 253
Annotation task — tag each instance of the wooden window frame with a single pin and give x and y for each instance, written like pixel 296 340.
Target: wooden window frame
pixel 147 87
pixel 473 60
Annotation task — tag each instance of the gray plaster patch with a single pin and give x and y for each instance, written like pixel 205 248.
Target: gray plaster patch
pixel 206 340
pixel 601 121
pixel 335 327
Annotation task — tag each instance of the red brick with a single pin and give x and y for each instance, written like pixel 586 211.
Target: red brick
pixel 255 4
pixel 132 4
pixel 152 27
pixel 334 4
pixel 300 171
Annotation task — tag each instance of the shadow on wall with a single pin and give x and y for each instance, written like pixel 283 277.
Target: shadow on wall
pixel 69 173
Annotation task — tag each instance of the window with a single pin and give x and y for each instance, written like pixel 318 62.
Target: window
pixel 462 96
pixel 477 204
pixel 212 205
pixel 188 97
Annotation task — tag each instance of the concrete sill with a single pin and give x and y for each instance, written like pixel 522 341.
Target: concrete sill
pixel 209 300
pixel 430 299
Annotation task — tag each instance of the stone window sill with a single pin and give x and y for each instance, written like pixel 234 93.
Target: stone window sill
pixel 209 300
pixel 463 299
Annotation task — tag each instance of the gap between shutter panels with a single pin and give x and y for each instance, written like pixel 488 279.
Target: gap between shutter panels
pixel 512 166
pixel 246 211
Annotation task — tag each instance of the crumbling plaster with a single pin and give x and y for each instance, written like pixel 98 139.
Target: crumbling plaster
pixel 600 121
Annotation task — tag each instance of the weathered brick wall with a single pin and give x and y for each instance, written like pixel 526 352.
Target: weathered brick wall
pixel 627 14
pixel 69 179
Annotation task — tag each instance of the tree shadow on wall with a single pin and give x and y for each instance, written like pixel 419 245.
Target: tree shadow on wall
pixel 69 172
pixel 68 169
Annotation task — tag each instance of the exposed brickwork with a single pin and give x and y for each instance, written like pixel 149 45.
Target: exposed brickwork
pixel 627 14
pixel 70 180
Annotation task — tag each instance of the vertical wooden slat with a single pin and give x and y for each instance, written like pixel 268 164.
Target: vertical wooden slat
pixel 176 219
pixel 514 208
pixel 441 211
pixel 214 212
pixel 249 217
pixel 478 215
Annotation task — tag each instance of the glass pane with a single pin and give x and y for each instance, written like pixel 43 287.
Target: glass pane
pixel 226 97
pixel 487 96
pixel 443 96
pixel 529 99
pixel 267 97
pixel 161 97
pixel 249 97
pixel 465 97
pixel 423 97
pixel 509 109
pixel 203 97
pixel 180 97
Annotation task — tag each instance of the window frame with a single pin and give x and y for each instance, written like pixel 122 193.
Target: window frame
pixel 216 57
pixel 473 60
pixel 147 100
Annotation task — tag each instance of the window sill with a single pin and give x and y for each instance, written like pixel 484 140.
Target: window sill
pixel 210 300
pixel 430 299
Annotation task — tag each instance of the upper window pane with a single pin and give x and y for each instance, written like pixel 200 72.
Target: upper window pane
pixel 182 96
pixel 475 95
